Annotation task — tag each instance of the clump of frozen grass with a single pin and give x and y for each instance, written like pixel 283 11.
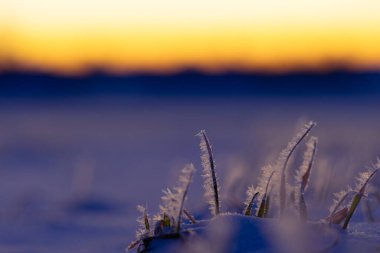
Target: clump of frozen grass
pixel 346 206
pixel 277 174
pixel 168 223
pixel 272 183
pixel 143 230
pixel 210 179
pixel 303 176
pixel 173 200
pixel 284 158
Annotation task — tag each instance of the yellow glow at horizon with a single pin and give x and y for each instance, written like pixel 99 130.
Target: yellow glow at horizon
pixel 69 36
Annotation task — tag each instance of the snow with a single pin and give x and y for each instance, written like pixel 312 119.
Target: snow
pixel 234 233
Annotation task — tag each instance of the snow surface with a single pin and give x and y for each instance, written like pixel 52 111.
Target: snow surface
pixel 235 233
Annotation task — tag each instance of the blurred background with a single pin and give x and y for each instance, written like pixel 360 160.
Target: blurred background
pixel 100 102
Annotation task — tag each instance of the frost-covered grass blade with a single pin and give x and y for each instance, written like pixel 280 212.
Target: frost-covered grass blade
pixel 264 203
pixel 284 159
pixel 189 216
pixel 185 179
pixel 209 174
pixel 363 181
pixel 339 203
pixel 252 193
pixel 303 177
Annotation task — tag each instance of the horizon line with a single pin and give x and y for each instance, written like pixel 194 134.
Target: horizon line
pixel 104 71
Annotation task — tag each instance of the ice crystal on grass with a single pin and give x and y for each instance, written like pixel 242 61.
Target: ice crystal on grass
pixel 143 221
pixel 303 176
pixel 267 174
pixel 284 158
pixel 342 199
pixel 143 231
pixel 252 193
pixel 210 179
pixel 168 222
pixel 360 189
pixel 173 200
pixel 364 177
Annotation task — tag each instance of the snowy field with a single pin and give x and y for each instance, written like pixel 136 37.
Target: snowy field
pixel 73 170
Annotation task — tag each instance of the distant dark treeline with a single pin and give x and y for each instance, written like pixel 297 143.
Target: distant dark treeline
pixel 190 83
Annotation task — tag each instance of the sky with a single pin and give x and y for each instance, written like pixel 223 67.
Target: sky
pixel 74 36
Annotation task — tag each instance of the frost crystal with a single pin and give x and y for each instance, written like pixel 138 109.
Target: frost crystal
pixel 267 173
pixel 364 177
pixel 284 159
pixel 341 199
pixel 173 200
pixel 143 222
pixel 210 179
pixel 303 173
pixel 252 193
